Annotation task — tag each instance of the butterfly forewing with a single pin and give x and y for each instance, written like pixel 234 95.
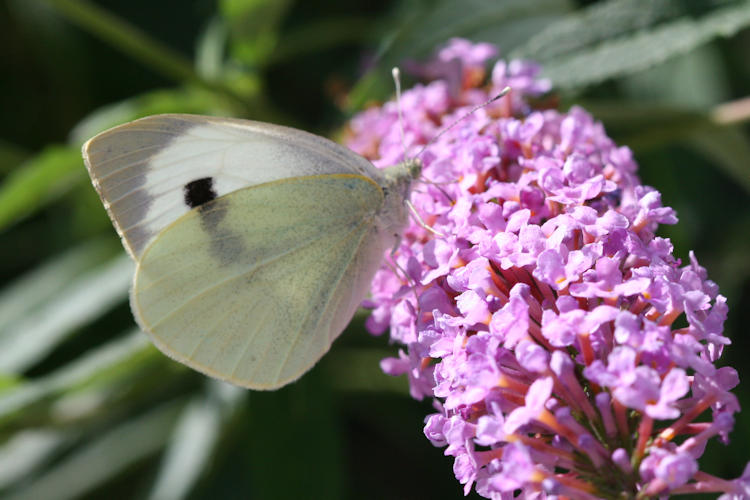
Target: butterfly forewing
pixel 141 169
pixel 253 286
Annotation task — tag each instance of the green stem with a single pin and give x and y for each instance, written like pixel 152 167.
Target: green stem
pixel 137 44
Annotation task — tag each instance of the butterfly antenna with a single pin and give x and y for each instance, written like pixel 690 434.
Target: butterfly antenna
pixel 437 186
pixel 455 122
pixel 420 221
pixel 397 80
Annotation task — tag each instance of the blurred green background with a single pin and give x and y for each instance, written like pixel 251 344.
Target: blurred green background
pixel 89 409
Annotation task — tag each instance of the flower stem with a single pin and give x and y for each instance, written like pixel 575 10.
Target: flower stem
pixel 137 44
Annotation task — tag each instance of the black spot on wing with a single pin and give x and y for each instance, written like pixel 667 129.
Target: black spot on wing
pixel 199 191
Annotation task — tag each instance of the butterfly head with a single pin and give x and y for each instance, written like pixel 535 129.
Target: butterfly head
pixel 399 178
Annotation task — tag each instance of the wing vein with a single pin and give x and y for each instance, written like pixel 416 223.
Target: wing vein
pixel 331 289
pixel 249 341
pixel 239 275
pixel 171 163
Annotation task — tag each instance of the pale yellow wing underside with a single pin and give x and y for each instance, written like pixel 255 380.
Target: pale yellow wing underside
pixel 254 286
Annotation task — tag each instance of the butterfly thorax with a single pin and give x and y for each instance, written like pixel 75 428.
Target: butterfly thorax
pixel 397 186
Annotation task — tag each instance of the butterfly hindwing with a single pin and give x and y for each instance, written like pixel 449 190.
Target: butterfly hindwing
pixel 152 171
pixel 252 287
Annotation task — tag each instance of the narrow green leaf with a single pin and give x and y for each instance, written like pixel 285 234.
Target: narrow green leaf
pixel 8 383
pixel 32 337
pixel 728 147
pixel 113 365
pixel 137 44
pixel 254 26
pixel 126 37
pixel 702 76
pixel 628 116
pixel 106 457
pixel 39 181
pixel 515 34
pixel 604 21
pixel 187 100
pixel 210 51
pixel 644 48
pixel 28 294
pixel 297 426
pixel 26 451
pixel 420 30
pixel 194 439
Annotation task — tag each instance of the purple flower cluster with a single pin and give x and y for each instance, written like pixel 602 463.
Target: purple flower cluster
pixel 569 354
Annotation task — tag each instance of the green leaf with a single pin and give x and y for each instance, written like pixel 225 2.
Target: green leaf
pixel 25 451
pixel 254 26
pixel 106 457
pixel 188 100
pixel 600 22
pixel 646 127
pixel 642 120
pixel 703 81
pixel 194 439
pixel 210 52
pixel 307 440
pixel 572 57
pixel 137 44
pixel 126 38
pixel 8 383
pixel 99 378
pixel 727 147
pixel 28 339
pixel 420 31
pixel 27 295
pixel 39 181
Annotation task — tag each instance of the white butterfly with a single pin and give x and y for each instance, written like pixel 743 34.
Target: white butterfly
pixel 254 243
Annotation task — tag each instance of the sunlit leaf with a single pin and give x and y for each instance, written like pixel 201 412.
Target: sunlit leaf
pixel 39 181
pixel 106 457
pixel 210 53
pixel 187 100
pixel 107 368
pixel 26 451
pixel 84 298
pixel 194 439
pixel 602 21
pixel 636 50
pixel 254 27
pixel 31 292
